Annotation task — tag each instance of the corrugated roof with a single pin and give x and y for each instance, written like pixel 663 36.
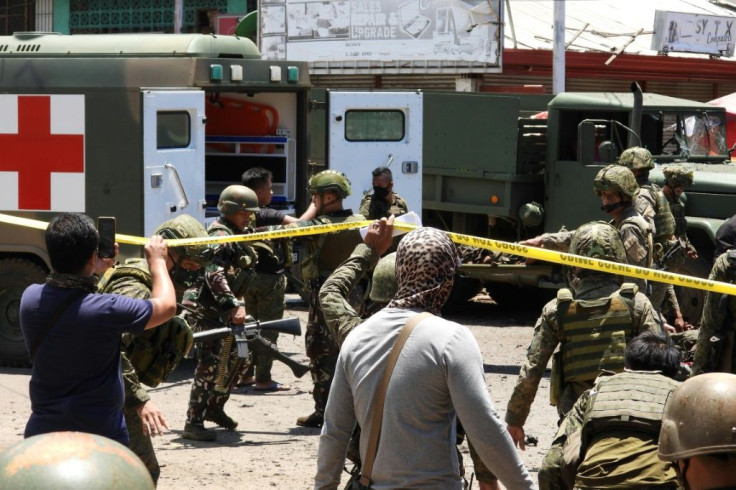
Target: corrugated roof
pixel 598 25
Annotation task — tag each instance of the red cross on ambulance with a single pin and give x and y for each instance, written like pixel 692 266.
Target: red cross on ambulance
pixel 42 153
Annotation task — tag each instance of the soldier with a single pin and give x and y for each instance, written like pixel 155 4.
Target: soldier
pixel 609 437
pixel 725 236
pixel 218 366
pixel 677 178
pixel 384 202
pixel 639 161
pixel 592 324
pixel 323 254
pixel 715 348
pixel 151 351
pixel 697 432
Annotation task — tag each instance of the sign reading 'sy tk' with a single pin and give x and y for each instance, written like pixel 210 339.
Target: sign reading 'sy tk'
pixel 693 33
pixel 382 30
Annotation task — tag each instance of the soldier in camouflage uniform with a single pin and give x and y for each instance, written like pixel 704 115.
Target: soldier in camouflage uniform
pixel 639 161
pixel 598 313
pixel 219 298
pixel 384 202
pixel 323 254
pixel 677 178
pixel 133 279
pixel 715 351
pixel 609 437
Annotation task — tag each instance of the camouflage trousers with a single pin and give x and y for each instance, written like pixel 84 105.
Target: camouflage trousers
pixel 322 350
pixel 213 379
pixel 141 443
pixel 264 301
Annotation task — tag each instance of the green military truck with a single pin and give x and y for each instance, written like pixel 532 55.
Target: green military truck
pixel 114 125
pixel 496 166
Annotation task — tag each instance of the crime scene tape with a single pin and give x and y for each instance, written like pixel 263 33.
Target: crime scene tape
pixel 473 241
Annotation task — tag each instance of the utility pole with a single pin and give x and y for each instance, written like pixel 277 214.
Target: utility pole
pixel 558 48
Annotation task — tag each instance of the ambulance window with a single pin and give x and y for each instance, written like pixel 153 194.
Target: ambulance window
pixel 172 129
pixel 378 125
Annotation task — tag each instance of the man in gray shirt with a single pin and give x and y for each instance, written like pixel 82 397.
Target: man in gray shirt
pixel 438 376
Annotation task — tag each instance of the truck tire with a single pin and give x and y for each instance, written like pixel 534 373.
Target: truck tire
pixel 15 276
pixel 691 300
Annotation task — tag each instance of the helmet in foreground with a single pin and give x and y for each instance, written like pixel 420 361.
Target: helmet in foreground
pixel 384 285
pixel 598 240
pixel 67 460
pixel 700 418
pixel 636 158
pixel 676 175
pixel 615 178
pixel 329 180
pixel 186 226
pixel 236 198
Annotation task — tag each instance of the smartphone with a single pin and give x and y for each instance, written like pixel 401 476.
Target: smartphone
pixel 106 229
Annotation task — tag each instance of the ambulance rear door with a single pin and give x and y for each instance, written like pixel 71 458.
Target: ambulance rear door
pixel 173 155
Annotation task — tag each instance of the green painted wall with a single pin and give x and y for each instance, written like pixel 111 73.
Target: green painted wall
pixel 61 16
pixel 237 6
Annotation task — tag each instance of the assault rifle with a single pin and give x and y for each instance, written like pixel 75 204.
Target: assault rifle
pixel 662 263
pixel 248 335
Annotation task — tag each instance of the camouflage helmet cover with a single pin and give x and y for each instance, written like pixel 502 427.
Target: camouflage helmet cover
pixel 676 175
pixel 615 178
pixel 186 226
pixel 598 240
pixel 384 284
pixel 330 180
pixel 636 158
pixel 236 198
pixel 71 460
pixel 699 418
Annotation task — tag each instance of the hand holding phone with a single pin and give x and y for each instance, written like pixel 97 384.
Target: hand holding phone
pixel 106 229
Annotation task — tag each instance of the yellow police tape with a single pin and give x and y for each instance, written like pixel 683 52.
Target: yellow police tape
pixel 485 243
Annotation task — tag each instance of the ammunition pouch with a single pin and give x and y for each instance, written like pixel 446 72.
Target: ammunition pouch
pixel 158 351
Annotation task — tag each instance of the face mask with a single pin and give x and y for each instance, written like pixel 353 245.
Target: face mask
pixel 380 192
pixel 610 207
pixel 183 278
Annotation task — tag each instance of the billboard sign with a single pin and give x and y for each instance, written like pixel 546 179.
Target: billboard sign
pixel 382 30
pixel 693 33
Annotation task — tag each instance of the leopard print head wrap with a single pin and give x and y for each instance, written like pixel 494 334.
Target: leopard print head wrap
pixel 426 260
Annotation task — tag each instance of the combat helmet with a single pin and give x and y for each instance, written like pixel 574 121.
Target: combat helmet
pixel 236 198
pixel 186 226
pixel 699 418
pixel 598 240
pixel 616 178
pixel 384 284
pixel 72 460
pixel 636 158
pixel 675 175
pixel 329 180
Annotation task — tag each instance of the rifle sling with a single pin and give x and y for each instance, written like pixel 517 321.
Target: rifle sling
pixel 378 401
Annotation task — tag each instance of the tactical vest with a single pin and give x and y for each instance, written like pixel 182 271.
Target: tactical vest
pixel 237 260
pixel 325 252
pixel 678 213
pixel 638 221
pixel 632 400
pixel 664 221
pixel 594 332
pixel 155 352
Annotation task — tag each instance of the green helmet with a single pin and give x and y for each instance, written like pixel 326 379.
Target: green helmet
pixel 636 158
pixel 186 226
pixel 699 418
pixel 598 240
pixel 329 180
pixel 384 284
pixel 237 198
pixel 615 178
pixel 71 460
pixel 675 175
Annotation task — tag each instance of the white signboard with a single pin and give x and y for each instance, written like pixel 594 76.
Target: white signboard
pixel 382 30
pixel 693 33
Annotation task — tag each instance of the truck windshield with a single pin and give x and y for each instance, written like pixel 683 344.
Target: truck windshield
pixel 692 135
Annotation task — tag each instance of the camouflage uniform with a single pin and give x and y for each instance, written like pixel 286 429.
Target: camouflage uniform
pixel 378 208
pixel 614 428
pixel 715 348
pixel 223 284
pixel 548 335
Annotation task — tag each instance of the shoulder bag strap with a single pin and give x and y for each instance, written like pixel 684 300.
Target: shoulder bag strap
pixel 52 320
pixel 365 477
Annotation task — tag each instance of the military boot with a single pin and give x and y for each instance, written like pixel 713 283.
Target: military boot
pixel 221 418
pixel 196 432
pixel 314 419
